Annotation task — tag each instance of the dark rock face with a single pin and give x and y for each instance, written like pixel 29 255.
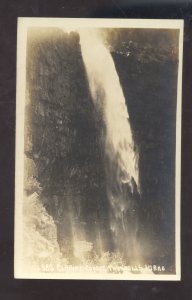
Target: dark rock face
pixel 63 135
pixel 149 83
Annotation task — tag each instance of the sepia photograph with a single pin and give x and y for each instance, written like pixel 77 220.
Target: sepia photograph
pixel 98 149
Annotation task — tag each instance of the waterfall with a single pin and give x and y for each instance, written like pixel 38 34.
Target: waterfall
pixel 121 158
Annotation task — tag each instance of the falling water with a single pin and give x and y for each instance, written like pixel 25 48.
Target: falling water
pixel 121 158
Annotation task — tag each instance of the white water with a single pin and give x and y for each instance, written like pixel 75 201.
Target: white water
pixel 121 159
